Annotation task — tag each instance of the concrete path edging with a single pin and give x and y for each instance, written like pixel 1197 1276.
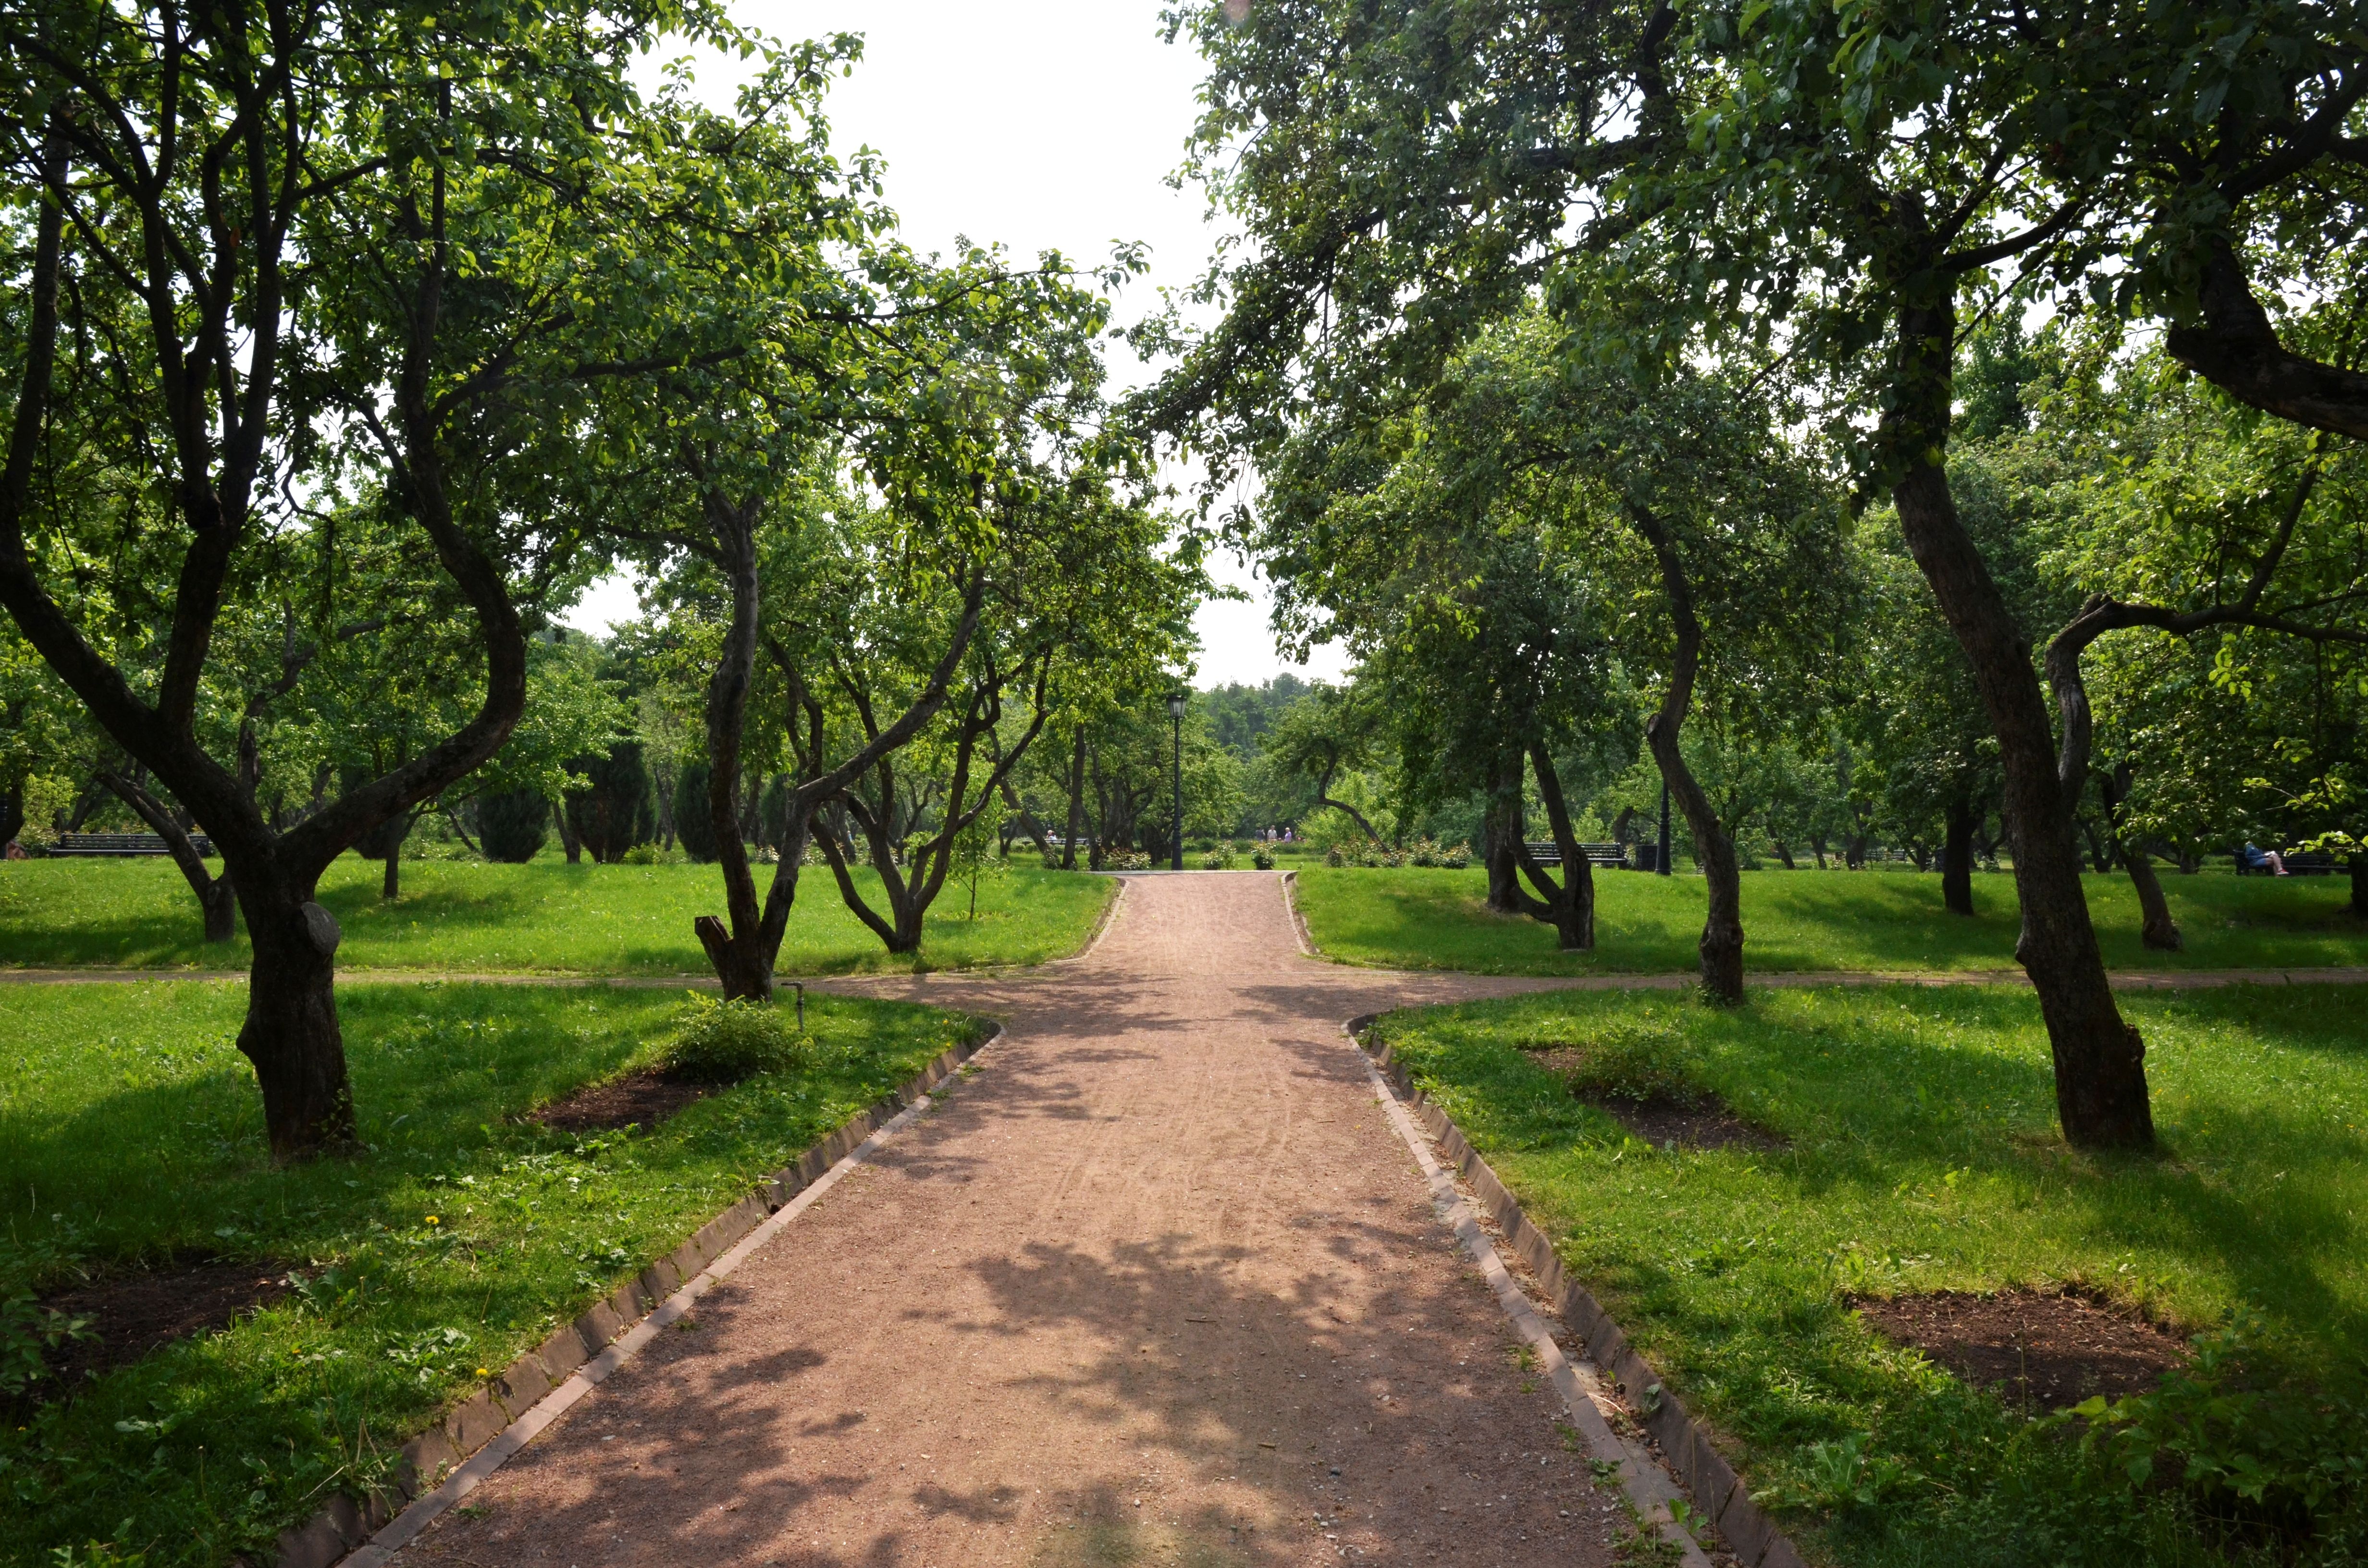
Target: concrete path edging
pixel 1717 1495
pixel 438 1469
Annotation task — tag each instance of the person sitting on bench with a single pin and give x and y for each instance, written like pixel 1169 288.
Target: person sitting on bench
pixel 2255 858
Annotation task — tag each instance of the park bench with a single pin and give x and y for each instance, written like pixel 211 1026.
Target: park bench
pixel 123 844
pixel 1612 855
pixel 2313 863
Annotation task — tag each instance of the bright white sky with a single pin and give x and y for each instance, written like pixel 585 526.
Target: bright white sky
pixel 1049 126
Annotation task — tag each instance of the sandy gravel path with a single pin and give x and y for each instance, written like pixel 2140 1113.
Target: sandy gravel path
pixel 1156 1284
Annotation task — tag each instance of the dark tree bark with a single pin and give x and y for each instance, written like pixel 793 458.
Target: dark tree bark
pixel 1027 824
pixel 910 888
pixel 2157 929
pixel 1501 837
pixel 215 413
pixel 12 812
pixel 1957 858
pixel 1324 798
pixel 2101 1086
pixel 1569 906
pixel 2359 885
pixel 744 945
pixel 217 902
pixel 2234 345
pixel 1721 938
pixel 568 838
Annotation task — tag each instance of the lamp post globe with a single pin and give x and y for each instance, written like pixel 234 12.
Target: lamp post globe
pixel 1177 702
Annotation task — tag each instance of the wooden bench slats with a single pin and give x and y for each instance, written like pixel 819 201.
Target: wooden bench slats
pixel 123 844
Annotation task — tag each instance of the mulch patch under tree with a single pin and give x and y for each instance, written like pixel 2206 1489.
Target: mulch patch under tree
pixel 646 1097
pixel 2042 1350
pixel 132 1314
pixel 1698 1119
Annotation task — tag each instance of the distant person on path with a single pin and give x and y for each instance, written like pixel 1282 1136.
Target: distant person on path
pixel 2255 858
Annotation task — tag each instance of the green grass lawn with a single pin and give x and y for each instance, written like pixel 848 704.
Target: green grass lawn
pixel 1923 1157
pixel 131 1131
pixel 545 916
pixel 1815 920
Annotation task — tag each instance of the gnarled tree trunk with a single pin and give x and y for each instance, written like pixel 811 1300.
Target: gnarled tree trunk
pixel 2101 1084
pixel 1721 938
pixel 292 1035
pixel 217 902
pixel 1569 906
pixel 1501 830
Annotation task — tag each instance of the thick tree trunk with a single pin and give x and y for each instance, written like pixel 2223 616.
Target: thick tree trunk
pixel 390 886
pixel 2101 1087
pixel 1957 860
pixel 1721 938
pixel 218 447
pixel 290 1034
pixel 733 946
pixel 2158 931
pixel 568 838
pixel 12 812
pixel 1501 828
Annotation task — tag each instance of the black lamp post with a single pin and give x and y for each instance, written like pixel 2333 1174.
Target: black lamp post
pixel 1176 701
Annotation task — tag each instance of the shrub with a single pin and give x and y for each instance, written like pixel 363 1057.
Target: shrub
pixel 722 1043
pixel 616 810
pixel 693 825
pixel 1455 859
pixel 1262 857
pixel 1643 1060
pixel 1424 853
pixel 1335 856
pixel 643 854
pixel 510 825
pixel 1222 858
pixel 1126 860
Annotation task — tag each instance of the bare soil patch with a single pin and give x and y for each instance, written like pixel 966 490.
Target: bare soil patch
pixel 2042 1350
pixel 134 1314
pixel 1690 1118
pixel 646 1097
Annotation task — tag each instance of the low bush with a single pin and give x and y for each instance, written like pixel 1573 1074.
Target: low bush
pixel 1262 857
pixel 1223 857
pixel 725 1041
pixel 643 854
pixel 1641 1059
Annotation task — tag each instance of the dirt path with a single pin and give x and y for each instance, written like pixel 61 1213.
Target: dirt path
pixel 1157 1284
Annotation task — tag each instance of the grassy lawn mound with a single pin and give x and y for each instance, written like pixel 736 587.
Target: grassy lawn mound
pixel 1811 921
pixel 268 1337
pixel 1929 1332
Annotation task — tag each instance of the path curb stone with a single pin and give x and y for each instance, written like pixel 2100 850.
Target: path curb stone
pixel 1685 1441
pixel 346 1526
